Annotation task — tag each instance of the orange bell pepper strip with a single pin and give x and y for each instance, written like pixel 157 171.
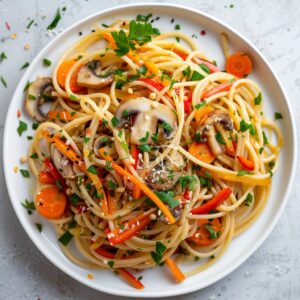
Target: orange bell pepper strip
pixel 202 152
pixel 246 163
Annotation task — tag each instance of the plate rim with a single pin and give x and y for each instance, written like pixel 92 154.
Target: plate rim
pixel 251 250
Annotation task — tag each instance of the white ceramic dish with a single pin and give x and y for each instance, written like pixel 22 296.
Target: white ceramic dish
pixel 156 281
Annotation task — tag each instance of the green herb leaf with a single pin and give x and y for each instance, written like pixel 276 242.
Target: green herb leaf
pixel 92 169
pixel 115 121
pixel 220 138
pixel 2 57
pixel 24 66
pixel 22 127
pixel 199 105
pixel 244 126
pixel 248 199
pixel 196 76
pixel 265 138
pixel 166 126
pixel 142 70
pixel 145 138
pixel 187 182
pixel 47 62
pixel 111 263
pixel 3 81
pixel 28 83
pixel 141 18
pixel 24 173
pixel 258 99
pixel 39 227
pixel 31 97
pixel 65 238
pixel 125 113
pixel 154 137
pixel 278 116
pixel 158 254
pixel 35 126
pixel 243 173
pixel 144 148
pixel 29 206
pixel 86 139
pixel 177 27
pixel 55 21
pixel 168 197
pixel 212 233
pixel 261 150
pixel 74 199
pixel 205 68
pixel 187 72
pixel 34 155
pixel 112 185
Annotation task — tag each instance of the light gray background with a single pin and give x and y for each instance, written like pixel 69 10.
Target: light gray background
pixel 273 272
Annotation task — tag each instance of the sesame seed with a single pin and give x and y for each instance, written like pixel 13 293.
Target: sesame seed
pixel 152 96
pixel 16 169
pixel 27 47
pixel 23 159
pixel 152 217
pixel 130 91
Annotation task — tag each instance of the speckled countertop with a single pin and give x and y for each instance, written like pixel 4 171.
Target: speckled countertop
pixel 273 272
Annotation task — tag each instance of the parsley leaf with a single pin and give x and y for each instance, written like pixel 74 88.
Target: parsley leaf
pixel 265 138
pixel 22 127
pixel 196 76
pixel 158 254
pixel 258 98
pixel 65 238
pixel 168 197
pixel 248 199
pixel 220 138
pixel 92 169
pixel 145 138
pixel 30 206
pixel 55 20
pixel 2 57
pixel 199 105
pixel 244 126
pixel 24 173
pixel 212 233
pixel 144 148
pixel 278 116
pixel 187 182
pixel 243 173
pixel 141 18
pixel 39 227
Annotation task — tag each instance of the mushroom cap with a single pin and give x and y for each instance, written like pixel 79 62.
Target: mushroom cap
pixel 38 90
pixel 92 75
pixel 151 110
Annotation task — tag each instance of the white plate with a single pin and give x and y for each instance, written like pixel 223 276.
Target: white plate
pixel 156 281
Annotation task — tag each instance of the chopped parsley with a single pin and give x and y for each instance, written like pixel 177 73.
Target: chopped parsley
pixel 258 98
pixel 177 27
pixel 144 148
pixel 55 21
pixel 199 105
pixel 3 81
pixel 47 62
pixel 278 116
pixel 29 206
pixel 145 138
pixel 212 233
pixel 187 72
pixel 154 137
pixel 248 199
pixel 108 165
pixel 31 97
pixel 86 139
pixel 142 70
pixel 74 199
pixel 29 24
pixel 22 127
pixel 39 227
pixel 115 121
pixel 244 126
pixel 28 83
pixel 141 18
pixel 196 76
pixel 187 182
pixel 65 238
pixel 166 126
pixel 35 126
pixel 125 113
pixel 158 254
pixel 34 155
pixel 168 198
pixel 2 57
pixel 24 173
pixel 92 169
pixel 220 138
pixel 205 68
pixel 243 173
pixel 112 185
pixel 265 138
pixel 111 263
pixel 261 150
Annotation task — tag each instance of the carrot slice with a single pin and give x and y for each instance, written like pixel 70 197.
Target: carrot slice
pixel 62 73
pixel 202 235
pixel 213 203
pixel 62 115
pixel 130 278
pixel 223 87
pixel 176 272
pixel 246 163
pixel 141 185
pixel 202 152
pixel 239 64
pixel 202 113
pixel 132 227
pixel 51 202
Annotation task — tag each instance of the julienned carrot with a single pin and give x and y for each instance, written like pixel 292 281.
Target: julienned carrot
pixel 51 202
pixel 131 228
pixel 202 152
pixel 212 68
pixel 223 87
pixel 202 114
pixel 141 185
pixel 123 272
pixel 181 54
pixel 130 278
pixel 213 203
pixel 62 73
pixel 202 237
pixel 111 204
pixel 62 115
pixel 239 64
pixel 246 163
pixel 177 274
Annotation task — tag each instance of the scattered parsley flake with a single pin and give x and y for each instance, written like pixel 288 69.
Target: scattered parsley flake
pixel 177 27
pixel 248 199
pixel 24 66
pixel 86 139
pixel 29 206
pixel 141 18
pixel 22 127
pixel 243 173
pixel 29 24
pixel 3 81
pixel 265 138
pixel 55 21
pixel 92 169
pixel 158 254
pixel 34 155
pixel 278 116
pixel 145 138
pixel 74 199
pixel 2 57
pixel 47 62
pixel 111 263
pixel 220 138
pixel 65 238
pixel 115 121
pixel 144 148
pixel 24 173
pixel 258 99
pixel 199 105
pixel 39 227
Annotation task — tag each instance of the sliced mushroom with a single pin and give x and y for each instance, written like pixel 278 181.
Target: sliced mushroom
pixel 39 92
pixel 165 175
pixel 92 75
pixel 147 114
pixel 217 121
pixel 62 163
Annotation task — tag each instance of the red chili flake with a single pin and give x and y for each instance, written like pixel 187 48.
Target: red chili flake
pixel 19 114
pixel 7 26
pixel 203 32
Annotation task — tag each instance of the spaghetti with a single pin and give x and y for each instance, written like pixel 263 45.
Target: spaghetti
pixel 148 151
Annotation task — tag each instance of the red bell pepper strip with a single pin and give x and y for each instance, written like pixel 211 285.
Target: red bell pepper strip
pixel 134 152
pixel 186 194
pixel 153 83
pixel 188 104
pixel 217 89
pixel 212 67
pixel 50 175
pixel 123 272
pixel 132 227
pixel 213 203
pixel 181 54
pixel 246 163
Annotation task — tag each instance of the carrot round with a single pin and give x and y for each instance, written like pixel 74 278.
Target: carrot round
pixel 213 203
pixel 239 64
pixel 202 235
pixel 51 202
pixel 62 73
pixel 176 272
pixel 202 152
pixel 141 185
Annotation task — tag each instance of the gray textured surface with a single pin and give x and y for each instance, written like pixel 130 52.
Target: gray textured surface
pixel 273 272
